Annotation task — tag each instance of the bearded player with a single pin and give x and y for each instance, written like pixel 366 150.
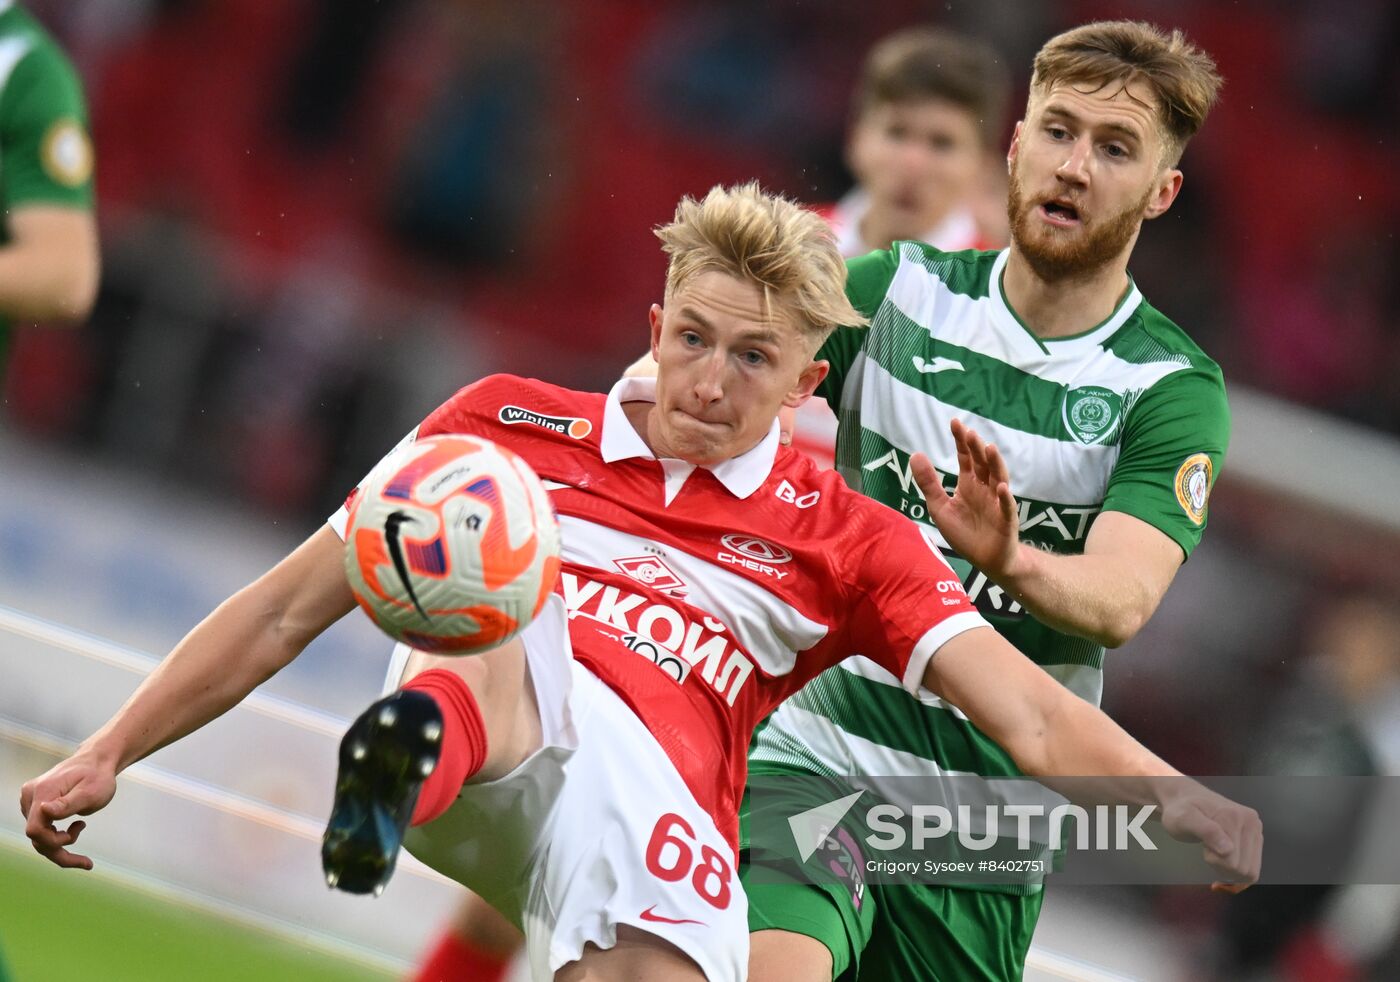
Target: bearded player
pixel 1113 424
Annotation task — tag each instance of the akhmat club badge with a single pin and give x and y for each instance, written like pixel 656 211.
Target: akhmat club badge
pixel 1091 413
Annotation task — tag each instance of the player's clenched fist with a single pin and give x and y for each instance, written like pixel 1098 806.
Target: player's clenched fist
pixel 1231 834
pixel 79 785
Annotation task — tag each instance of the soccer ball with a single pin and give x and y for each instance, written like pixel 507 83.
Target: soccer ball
pixel 452 546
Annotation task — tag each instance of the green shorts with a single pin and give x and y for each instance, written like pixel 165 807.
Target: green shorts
pixel 951 933
pixel 836 911
pixel 895 933
pixel 906 932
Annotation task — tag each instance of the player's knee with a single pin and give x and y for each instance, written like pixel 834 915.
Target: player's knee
pixel 500 685
pixel 786 956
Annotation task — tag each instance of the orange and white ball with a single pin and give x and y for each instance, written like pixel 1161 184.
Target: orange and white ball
pixel 452 545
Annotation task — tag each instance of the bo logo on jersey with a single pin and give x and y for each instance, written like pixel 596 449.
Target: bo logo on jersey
pixel 786 492
pixel 1091 413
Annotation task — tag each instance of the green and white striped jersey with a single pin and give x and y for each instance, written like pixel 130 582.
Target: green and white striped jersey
pixel 1130 416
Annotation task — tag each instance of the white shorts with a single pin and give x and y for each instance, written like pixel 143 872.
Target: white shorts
pixel 593 830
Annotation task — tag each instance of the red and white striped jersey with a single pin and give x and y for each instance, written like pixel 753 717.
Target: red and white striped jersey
pixel 706 596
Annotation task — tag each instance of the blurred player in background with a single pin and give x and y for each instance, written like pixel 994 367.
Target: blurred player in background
pixel 926 124
pixel 1109 419
pixel 1338 716
pixel 924 141
pixel 48 235
pixel 580 753
pixel 49 258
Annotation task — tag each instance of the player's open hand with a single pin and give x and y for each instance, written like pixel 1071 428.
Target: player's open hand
pixel 79 785
pixel 979 519
pixel 1231 834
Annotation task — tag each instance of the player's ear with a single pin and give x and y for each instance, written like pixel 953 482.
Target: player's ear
pixel 1164 193
pixel 654 316
pixel 807 383
pixel 856 134
pixel 1015 147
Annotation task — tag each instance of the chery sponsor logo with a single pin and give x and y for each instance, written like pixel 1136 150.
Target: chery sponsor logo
pixel 752 553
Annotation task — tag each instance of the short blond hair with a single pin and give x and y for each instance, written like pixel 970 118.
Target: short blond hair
pixel 1181 75
pixel 768 240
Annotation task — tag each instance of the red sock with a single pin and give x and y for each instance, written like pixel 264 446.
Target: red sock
pixel 463 741
pixel 456 959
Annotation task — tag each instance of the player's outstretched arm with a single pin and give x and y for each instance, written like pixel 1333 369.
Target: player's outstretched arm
pixel 1107 594
pixel 1050 732
pixel 245 641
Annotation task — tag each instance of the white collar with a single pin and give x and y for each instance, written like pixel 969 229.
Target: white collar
pixel 6 5
pixel 958 230
pixel 741 475
pixel 1006 317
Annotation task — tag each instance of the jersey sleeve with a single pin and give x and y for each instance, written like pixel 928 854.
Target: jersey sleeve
pixel 44 144
pixel 340 520
pixel 450 417
pixel 910 601
pixel 868 277
pixel 1174 442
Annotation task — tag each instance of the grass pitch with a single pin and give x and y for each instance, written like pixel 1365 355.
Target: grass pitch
pixel 71 926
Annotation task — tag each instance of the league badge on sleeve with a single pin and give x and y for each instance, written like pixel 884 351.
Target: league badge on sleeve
pixel 66 153
pixel 1193 486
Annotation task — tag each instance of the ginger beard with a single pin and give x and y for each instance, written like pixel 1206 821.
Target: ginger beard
pixel 1055 254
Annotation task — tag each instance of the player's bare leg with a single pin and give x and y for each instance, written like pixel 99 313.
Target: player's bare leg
pixel 389 775
pixel 637 957
pixel 786 956
pixel 500 681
